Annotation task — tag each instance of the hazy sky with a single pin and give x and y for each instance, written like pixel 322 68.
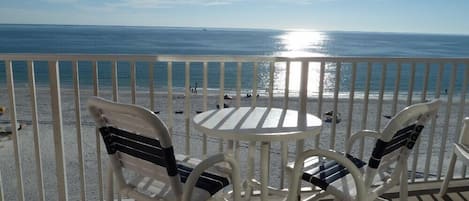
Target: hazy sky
pixel 421 16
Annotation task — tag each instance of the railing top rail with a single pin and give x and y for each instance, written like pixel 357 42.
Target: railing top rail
pixel 78 57
pixel 222 58
pixel 347 59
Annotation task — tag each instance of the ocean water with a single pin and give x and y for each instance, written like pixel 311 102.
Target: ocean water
pixel 64 39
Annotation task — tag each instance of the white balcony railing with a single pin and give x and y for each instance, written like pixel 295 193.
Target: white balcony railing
pixel 58 156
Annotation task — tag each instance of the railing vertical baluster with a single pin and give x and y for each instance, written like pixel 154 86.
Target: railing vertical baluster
pixel 411 85
pixel 271 83
pixel 335 105
pixel 417 144
pixel 95 78
pixel 320 96
pixel 238 84
pixel 115 97
pixel 221 94
pixel 115 86
pixel 81 161
pixel 54 81
pixel 187 107
pixel 170 98
pixel 14 133
pixel 151 86
pixel 425 83
pixel 447 116
pixel 271 96
pixel 133 84
pixel 34 122
pixel 238 100
pixel 365 107
pixel 254 85
pixel 2 198
pixel 397 82
pixel 205 86
pixel 98 138
pixel 461 109
pixel 204 103
pixel 433 125
pixel 380 96
pixel 221 97
pixel 348 132
pixel 303 103
pixel 287 86
pixel 284 145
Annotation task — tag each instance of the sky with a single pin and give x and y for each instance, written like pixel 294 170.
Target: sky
pixel 405 16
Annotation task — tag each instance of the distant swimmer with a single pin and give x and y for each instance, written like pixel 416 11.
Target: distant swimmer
pixel 2 110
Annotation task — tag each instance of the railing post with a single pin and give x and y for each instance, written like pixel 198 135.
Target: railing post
pixel 133 82
pixel 1 187
pixel 98 138
pixel 81 161
pixel 34 122
pixel 221 98
pixel 15 137
pixel 54 82
pixel 303 100
pixel 335 105
pixel 320 96
pixel 187 107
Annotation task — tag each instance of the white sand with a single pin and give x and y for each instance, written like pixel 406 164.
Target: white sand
pixel 7 164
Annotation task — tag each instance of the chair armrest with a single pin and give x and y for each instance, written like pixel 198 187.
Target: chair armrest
pixel 340 158
pixel 358 135
pixel 207 163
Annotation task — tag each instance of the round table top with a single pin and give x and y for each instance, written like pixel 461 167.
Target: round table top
pixel 257 124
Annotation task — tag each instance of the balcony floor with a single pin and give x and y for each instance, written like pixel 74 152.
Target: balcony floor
pixel 457 191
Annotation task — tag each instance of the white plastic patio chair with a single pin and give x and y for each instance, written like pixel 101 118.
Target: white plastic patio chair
pixel 143 160
pixel 386 168
pixel 460 151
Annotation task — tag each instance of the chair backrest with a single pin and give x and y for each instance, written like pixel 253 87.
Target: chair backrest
pixel 136 139
pixel 398 138
pixel 464 136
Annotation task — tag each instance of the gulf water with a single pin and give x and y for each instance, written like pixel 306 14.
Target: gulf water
pixel 76 39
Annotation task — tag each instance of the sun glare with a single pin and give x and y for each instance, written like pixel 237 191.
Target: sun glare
pixel 302 43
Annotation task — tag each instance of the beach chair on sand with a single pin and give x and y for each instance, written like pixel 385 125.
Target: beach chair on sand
pixel 143 161
pixel 348 178
pixel 461 151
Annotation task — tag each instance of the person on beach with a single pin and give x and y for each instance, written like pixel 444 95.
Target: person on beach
pixel 2 110
pixel 195 88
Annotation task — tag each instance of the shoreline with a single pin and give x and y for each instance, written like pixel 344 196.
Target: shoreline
pixel 278 93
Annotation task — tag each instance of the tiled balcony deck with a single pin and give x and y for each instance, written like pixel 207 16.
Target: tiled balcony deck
pixel 458 191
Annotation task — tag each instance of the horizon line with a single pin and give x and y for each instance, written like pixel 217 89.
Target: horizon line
pixel 205 28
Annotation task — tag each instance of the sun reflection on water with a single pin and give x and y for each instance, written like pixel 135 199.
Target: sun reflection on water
pixel 300 44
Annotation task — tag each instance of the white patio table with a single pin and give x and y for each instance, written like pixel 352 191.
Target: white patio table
pixel 258 124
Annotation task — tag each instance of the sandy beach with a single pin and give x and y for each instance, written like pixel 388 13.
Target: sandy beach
pixel 7 164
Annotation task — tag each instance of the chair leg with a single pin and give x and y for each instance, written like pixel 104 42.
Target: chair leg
pixel 403 194
pixel 110 186
pixel 449 175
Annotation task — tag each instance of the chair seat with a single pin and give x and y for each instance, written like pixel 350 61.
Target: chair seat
pixel 208 184
pixel 328 172
pixel 325 173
